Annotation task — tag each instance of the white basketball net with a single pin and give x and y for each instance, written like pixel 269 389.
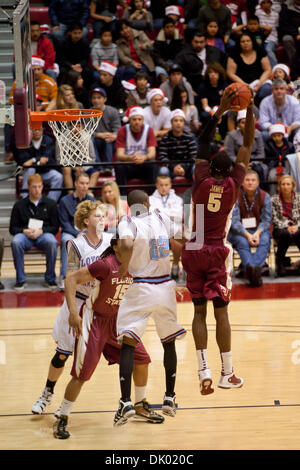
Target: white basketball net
pixel 73 138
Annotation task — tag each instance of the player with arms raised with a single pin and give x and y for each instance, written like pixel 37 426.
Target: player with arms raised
pixel 216 187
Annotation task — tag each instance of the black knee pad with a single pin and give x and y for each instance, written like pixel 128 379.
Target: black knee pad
pixel 219 302
pixel 57 362
pixel 199 300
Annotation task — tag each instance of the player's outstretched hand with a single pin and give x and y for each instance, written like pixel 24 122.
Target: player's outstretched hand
pixel 225 103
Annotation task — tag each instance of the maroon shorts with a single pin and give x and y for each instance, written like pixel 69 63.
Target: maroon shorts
pixel 208 271
pixel 98 338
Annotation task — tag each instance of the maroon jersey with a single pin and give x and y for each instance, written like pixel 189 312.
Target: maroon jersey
pixel 218 199
pixel 109 290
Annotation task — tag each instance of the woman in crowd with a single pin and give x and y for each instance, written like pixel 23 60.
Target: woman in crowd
pixel 180 100
pixel 66 98
pixel 250 64
pixel 75 80
pixel 138 16
pixel 286 220
pixel 115 206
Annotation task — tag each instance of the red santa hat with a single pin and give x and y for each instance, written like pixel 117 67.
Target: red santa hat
pixel 278 127
pixel 135 110
pixel 283 67
pixel 172 10
pixel 129 85
pixel 176 113
pixel 154 92
pixel 108 67
pixel 37 61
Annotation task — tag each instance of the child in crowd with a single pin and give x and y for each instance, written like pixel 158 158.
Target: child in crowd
pixel 137 90
pixel 104 49
pixel 212 38
pixel 282 71
pixel 173 12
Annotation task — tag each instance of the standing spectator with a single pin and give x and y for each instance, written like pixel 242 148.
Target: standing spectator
pixel 167 45
pixel 104 14
pixel 106 133
pixel 285 220
pixel 40 152
pixel 134 51
pixel 175 78
pixel 279 107
pixel 66 210
pixel 250 64
pixel 289 34
pixel 73 53
pixel 268 16
pixel 195 57
pixel 215 11
pixel 177 145
pixel 138 90
pixel 63 14
pixel 234 141
pixel 42 46
pixel 135 144
pixel 250 227
pixel 156 115
pixel 104 49
pixel 138 16
pixel 34 222
pixel 115 93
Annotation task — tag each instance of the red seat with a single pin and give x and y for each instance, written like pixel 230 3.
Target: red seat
pixel 136 182
pixel 281 54
pixel 181 180
pixel 39 14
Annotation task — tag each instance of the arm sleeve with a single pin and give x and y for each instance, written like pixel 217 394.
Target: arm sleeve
pixel 266 215
pixel 99 269
pixel 236 224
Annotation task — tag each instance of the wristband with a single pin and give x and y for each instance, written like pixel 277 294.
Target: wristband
pixel 33 160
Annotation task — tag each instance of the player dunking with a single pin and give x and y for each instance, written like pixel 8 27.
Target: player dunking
pixel 145 255
pixel 216 188
pixel 85 249
pixel 95 329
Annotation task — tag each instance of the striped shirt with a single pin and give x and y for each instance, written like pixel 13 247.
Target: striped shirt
pixel 100 53
pixel 181 148
pixel 272 20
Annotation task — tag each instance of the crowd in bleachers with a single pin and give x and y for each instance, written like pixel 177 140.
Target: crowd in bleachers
pixel 157 70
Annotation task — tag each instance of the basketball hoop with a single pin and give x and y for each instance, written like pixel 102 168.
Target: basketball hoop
pixel 73 129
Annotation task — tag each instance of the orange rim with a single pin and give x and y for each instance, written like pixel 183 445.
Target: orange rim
pixel 37 117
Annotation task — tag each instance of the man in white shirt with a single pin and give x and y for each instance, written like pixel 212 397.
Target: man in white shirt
pixel 156 115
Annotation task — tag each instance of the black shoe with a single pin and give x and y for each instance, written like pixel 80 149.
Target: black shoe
pixel 124 412
pixel 59 428
pixel 256 278
pixel 144 413
pixel 51 285
pixel 249 273
pixel 20 286
pixel 280 269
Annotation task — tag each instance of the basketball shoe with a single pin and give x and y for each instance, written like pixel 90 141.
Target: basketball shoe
pixel 59 428
pixel 144 413
pixel 230 381
pixel 44 400
pixel 205 382
pixel 169 406
pixel 124 412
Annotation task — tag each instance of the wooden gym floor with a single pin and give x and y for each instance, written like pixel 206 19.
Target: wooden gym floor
pixel 263 414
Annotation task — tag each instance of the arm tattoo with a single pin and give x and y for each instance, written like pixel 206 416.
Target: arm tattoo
pixel 73 260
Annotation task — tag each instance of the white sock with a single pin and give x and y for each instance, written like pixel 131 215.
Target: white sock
pixel 140 393
pixel 226 358
pixel 202 359
pixel 66 407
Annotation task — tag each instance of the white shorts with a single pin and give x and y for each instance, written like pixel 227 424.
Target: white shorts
pixel 60 333
pixel 143 300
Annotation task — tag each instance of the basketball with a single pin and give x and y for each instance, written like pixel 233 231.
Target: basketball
pixel 244 96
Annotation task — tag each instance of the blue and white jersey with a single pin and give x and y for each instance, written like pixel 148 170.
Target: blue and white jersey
pixel 151 252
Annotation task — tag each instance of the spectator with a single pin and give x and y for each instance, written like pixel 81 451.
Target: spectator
pixel 106 133
pixel 156 115
pixel 253 27
pixel 104 14
pixel 279 107
pixel 195 57
pixel 282 71
pixel 288 32
pixel 66 210
pixel 166 200
pixel 116 96
pixel 174 12
pixel 74 52
pixel 104 49
pixel 157 8
pixel 250 227
pixel 134 51
pixel 249 64
pixel 215 11
pixel 212 39
pixel 277 147
pixel 137 90
pixel 285 220
pixel 41 153
pixel 115 206
pixel 66 98
pixel 45 86
pixel 135 144
pixel 191 11
pixel 268 16
pixel 177 145
pixel 75 80
pixel 234 141
pixel 34 222
pixel 63 14
pixel 41 46
pixel 180 100
pixel 138 16
pixel 167 45
pixel 175 78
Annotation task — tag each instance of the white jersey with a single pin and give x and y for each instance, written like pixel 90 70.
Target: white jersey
pixel 88 254
pixel 133 145
pixel 151 255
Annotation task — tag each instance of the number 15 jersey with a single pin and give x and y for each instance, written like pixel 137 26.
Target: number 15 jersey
pixel 218 198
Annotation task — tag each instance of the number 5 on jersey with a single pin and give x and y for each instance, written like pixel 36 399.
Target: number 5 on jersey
pixel 214 202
